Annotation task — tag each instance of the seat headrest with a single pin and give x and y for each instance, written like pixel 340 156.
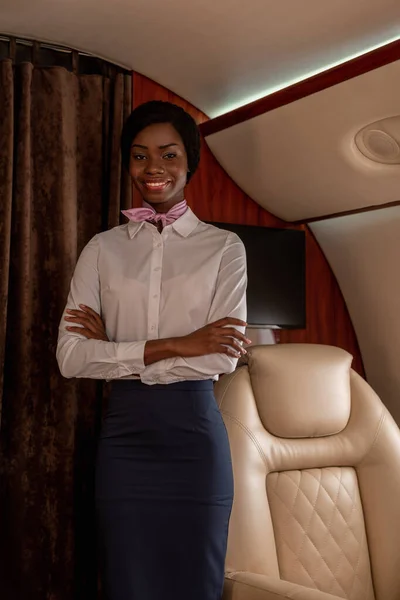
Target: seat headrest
pixel 301 390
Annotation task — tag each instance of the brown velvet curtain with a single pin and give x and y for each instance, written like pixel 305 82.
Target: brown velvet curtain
pixel 61 182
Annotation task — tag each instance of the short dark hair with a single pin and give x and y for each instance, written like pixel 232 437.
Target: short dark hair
pixel 158 111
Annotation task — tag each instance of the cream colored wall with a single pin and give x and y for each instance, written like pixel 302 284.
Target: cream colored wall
pixel 364 253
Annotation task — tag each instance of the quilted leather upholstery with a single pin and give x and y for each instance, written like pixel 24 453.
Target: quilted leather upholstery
pixel 317 516
pixel 319 531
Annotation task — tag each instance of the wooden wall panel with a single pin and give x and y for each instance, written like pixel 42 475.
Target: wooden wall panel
pixel 214 196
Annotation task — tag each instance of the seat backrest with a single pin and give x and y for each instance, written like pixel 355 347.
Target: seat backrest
pixel 316 460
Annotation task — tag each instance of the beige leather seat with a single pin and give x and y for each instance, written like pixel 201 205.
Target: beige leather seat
pixel 316 459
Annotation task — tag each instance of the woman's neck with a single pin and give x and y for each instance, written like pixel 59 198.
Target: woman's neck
pixel 163 207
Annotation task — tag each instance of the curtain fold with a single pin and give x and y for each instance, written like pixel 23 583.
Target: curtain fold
pixel 61 182
pixel 6 178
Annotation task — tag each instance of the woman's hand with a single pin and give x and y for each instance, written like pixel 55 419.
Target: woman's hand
pixel 92 326
pixel 214 338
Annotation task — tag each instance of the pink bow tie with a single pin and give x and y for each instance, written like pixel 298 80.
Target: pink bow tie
pixel 147 213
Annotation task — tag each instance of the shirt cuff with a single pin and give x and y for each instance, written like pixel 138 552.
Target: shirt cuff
pixel 130 358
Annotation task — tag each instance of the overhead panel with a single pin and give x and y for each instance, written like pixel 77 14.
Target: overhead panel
pixel 304 160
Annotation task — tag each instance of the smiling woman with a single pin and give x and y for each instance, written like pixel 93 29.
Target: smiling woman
pixel 158 305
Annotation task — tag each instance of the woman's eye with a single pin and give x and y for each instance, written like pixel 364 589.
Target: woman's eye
pixel 138 157
pixel 170 155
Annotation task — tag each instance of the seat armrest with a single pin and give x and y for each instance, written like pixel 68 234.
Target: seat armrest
pixel 242 585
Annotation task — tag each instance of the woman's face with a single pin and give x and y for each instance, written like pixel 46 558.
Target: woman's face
pixel 158 166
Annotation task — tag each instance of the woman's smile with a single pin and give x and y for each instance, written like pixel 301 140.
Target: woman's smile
pixel 156 185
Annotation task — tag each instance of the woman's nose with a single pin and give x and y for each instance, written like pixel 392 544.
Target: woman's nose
pixel 155 166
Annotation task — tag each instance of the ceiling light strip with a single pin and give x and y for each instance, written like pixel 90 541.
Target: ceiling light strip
pixel 310 83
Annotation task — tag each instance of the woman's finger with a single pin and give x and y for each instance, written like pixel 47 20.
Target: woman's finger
pixel 238 346
pixel 232 343
pixel 234 333
pixel 85 322
pixel 80 314
pixel 91 312
pixel 83 331
pixel 228 350
pixel 82 317
pixel 88 314
pixel 76 313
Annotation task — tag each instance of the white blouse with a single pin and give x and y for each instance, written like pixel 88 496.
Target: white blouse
pixel 149 285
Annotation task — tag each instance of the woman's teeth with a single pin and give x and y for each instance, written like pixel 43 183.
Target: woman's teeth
pixel 156 185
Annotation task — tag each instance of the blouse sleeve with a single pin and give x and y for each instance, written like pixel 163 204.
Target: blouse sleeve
pixel 78 356
pixel 229 301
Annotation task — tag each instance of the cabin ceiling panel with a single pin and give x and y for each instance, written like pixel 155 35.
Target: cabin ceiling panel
pixel 301 161
pixel 217 55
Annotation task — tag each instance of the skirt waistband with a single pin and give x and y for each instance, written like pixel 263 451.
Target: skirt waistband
pixel 187 385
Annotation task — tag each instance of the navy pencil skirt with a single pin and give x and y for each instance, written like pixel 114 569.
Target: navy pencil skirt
pixel 164 491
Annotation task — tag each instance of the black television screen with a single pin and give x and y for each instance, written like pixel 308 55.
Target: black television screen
pixel 276 275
